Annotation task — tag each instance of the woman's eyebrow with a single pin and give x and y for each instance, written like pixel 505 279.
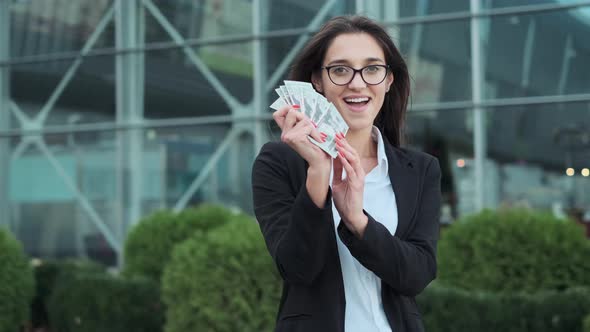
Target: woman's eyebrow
pixel 346 62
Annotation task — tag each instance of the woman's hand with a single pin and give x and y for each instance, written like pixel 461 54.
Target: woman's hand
pixel 348 193
pixel 296 127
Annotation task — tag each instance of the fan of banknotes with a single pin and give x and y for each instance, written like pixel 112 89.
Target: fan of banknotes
pixel 317 108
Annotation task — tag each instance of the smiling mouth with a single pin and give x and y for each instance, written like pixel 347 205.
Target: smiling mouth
pixel 361 101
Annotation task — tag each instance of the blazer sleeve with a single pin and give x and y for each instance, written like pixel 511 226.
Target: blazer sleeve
pixel 409 265
pixel 295 229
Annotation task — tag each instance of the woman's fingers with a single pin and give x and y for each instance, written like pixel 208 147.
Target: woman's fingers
pixel 279 115
pixel 350 172
pixel 350 154
pixel 337 177
pixel 291 119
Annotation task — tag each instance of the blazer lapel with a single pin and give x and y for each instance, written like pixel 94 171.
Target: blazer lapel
pixel 404 180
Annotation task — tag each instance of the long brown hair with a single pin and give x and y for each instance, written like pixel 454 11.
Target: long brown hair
pixel 391 117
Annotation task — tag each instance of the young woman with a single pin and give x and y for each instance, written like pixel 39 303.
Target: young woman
pixel 354 238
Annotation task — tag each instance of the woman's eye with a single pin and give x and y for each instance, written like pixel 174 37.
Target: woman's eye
pixel 372 69
pixel 340 70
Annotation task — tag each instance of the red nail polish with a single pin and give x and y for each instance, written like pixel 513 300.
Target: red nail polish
pixel 296 106
pixel 313 123
pixel 323 139
pixel 324 134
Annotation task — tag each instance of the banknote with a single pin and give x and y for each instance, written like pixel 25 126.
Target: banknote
pixel 323 114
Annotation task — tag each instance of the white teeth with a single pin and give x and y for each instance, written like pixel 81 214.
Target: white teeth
pixel 356 100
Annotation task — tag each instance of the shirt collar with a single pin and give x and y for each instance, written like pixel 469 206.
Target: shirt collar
pixel 381 170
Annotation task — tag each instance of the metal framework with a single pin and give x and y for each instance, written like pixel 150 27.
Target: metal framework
pixel 4 113
pixel 129 18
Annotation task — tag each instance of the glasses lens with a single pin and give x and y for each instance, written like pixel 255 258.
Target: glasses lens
pixel 340 74
pixel 374 74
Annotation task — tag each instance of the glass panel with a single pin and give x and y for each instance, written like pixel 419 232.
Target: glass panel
pixel 89 97
pixel 59 190
pixel 539 146
pixel 184 153
pixel 439 65
pixel 520 62
pixel 212 18
pixel 174 86
pixel 519 3
pixel 57 26
pixel 388 10
pixel 447 135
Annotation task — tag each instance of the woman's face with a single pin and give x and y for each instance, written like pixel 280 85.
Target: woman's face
pixel 358 102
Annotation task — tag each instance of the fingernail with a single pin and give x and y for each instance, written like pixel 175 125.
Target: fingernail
pixel 313 123
pixel 296 106
pixel 341 154
pixel 324 134
pixel 342 135
pixel 323 139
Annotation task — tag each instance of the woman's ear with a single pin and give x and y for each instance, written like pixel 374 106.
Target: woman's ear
pixel 317 82
pixel 389 81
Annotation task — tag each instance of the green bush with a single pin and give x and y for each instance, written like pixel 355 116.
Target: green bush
pixel 46 275
pixel 447 309
pixel 17 285
pixel 222 281
pixel 101 302
pixel 150 243
pixel 587 323
pixel 514 250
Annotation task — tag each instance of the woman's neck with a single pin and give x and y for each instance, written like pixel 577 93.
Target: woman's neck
pixel 362 142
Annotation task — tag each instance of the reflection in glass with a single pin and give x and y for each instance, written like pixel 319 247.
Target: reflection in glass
pixel 57 26
pixel 521 63
pixel 438 60
pixel 537 154
pixel 88 97
pixel 447 135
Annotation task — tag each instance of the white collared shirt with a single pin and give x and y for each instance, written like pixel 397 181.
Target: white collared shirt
pixel 362 288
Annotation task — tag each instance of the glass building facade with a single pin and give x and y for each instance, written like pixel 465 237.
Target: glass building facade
pixel 112 109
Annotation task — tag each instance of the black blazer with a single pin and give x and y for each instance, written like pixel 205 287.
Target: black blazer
pixel 302 241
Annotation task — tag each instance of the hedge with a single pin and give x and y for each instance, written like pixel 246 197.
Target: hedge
pixel 101 302
pixel 17 285
pixel 514 250
pixel 447 309
pixel 46 275
pixel 587 323
pixel 149 244
pixel 222 281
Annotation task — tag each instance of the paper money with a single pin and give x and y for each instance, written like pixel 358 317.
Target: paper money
pixel 317 108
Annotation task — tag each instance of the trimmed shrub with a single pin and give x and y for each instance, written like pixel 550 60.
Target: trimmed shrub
pixel 17 285
pixel 150 243
pixel 102 302
pixel 222 281
pixel 453 310
pixel 46 275
pixel 514 250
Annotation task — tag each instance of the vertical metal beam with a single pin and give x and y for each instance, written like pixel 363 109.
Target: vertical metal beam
pixel 479 115
pixel 527 56
pixel 4 112
pixel 260 105
pixel 129 27
pixel 568 53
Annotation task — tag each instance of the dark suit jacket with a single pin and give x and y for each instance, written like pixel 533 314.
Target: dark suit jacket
pixel 302 240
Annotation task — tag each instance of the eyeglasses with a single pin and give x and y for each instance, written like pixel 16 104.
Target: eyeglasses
pixel 343 75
